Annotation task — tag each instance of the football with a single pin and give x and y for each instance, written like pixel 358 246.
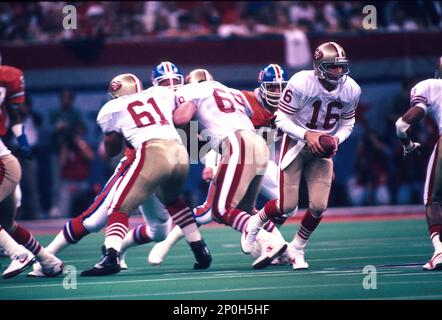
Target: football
pixel 328 143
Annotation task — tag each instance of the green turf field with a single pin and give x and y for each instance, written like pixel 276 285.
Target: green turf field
pixel 337 254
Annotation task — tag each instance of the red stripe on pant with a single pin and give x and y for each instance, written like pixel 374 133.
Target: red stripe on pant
pixel 219 182
pixel 285 148
pixel 238 172
pixel 433 175
pixel 132 179
pixel 230 213
pixel 209 201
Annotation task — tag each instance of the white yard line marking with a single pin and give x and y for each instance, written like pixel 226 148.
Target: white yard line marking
pixel 236 290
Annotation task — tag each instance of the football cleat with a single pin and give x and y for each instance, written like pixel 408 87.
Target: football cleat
pixel 37 271
pixel 435 263
pixel 158 252
pixel 271 247
pixel 109 264
pixel 19 263
pixel 51 266
pixel 162 248
pixel 297 257
pixel 249 235
pixel 201 253
pixel 123 264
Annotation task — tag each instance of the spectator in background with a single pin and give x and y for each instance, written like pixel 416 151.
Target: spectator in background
pixel 369 183
pixel 63 121
pixel 75 159
pixel 30 204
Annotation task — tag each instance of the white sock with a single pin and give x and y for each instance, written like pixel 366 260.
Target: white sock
pixel 113 242
pixel 436 242
pixel 173 236
pixel 191 233
pixel 8 243
pixel 299 242
pixel 42 254
pixel 58 244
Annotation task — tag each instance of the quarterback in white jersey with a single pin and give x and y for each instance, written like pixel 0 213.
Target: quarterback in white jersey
pixel 314 103
pixel 144 121
pixel 225 115
pixel 426 98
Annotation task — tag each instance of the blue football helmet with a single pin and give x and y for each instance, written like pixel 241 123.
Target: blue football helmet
pixel 272 81
pixel 167 71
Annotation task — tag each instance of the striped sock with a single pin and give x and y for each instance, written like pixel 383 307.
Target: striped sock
pixel 183 217
pixel 116 230
pixel 238 219
pixel 140 234
pixel 137 236
pixel 269 211
pixel 74 230
pixel 306 228
pixel 26 239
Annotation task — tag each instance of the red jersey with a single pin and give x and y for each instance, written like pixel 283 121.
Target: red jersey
pixel 261 116
pixel 12 91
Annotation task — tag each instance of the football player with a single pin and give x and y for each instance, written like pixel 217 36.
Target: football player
pixel 144 120
pixel 426 98
pixel 12 96
pixel 314 102
pixel 94 218
pixel 264 102
pixel 225 113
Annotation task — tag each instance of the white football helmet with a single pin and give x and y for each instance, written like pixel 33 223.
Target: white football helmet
pixel 124 84
pixel 330 54
pixel 199 75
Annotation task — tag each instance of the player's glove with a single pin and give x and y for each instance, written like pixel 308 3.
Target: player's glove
pixel 412 147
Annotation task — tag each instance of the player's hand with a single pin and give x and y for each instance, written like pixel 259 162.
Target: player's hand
pixel 24 148
pixel 413 147
pixel 207 174
pixel 312 139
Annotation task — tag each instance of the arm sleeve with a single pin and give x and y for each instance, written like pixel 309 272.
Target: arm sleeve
pixel 106 121
pixel 288 126
pixel 345 128
pixel 347 119
pixel 419 96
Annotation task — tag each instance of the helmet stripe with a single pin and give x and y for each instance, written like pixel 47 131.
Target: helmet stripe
pixel 137 82
pixel 336 47
pixel 277 71
pixel 167 67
